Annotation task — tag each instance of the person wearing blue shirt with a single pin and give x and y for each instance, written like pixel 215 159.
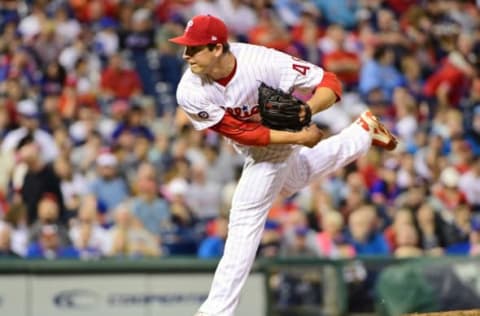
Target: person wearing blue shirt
pixel 343 12
pixel 212 247
pixel 374 245
pixel 380 73
pixel 48 246
pixel 362 235
pixel 133 124
pixel 149 208
pixel 109 188
pixel 470 247
pixel 154 214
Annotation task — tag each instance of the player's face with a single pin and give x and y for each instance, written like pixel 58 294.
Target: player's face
pixel 200 58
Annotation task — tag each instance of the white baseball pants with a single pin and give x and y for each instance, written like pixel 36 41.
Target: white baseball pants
pixel 259 185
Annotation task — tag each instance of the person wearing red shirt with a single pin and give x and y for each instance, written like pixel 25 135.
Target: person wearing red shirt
pixel 345 64
pixel 269 33
pixel 447 84
pixel 118 81
pixel 451 81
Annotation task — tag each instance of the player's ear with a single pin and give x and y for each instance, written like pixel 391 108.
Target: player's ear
pixel 218 50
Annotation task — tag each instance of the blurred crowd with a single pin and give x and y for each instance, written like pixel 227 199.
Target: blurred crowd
pixel 94 161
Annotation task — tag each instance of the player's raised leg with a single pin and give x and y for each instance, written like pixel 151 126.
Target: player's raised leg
pixel 337 151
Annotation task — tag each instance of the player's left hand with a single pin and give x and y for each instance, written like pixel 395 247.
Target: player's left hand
pixel 310 136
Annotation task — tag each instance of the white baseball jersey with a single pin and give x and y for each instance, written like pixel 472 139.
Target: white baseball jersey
pixel 205 101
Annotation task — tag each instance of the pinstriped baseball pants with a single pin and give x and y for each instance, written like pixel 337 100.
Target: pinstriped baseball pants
pixel 260 183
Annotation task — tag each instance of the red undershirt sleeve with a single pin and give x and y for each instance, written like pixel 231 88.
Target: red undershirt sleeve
pixel 243 132
pixel 331 81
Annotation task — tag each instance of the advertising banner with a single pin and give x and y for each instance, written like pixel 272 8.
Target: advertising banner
pixel 13 295
pixel 67 295
pixel 118 294
pixel 182 294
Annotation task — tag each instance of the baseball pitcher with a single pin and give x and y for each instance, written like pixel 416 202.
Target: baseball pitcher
pixel 244 92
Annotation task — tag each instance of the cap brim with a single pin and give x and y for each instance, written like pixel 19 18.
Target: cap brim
pixel 183 40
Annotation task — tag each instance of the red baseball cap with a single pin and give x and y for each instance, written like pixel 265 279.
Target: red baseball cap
pixel 203 30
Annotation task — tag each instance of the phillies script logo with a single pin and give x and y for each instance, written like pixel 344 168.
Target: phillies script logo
pixel 243 112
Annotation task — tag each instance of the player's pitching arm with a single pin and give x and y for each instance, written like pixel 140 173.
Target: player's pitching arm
pixel 326 94
pixel 255 134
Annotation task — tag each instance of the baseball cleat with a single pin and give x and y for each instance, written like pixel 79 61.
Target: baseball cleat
pixel 381 136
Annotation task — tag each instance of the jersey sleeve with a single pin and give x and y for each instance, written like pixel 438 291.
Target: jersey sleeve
pixel 243 132
pixel 201 112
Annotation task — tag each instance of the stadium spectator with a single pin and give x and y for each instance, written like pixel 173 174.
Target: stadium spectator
pixel 406 118
pixel 431 229
pixel 472 245
pixel 117 81
pixel 5 241
pixel 299 241
pixel 108 187
pixel 49 246
pixel 344 63
pixel 203 195
pixel 270 243
pixel 134 125
pixel 239 16
pixel 29 117
pixel 354 193
pixel 19 235
pixel 407 242
pixel 341 12
pixel 40 179
pixel 385 189
pixel 306 33
pixel 268 32
pixel 48 214
pixel 213 245
pixel 72 184
pixel 413 76
pixel 86 251
pixel 139 34
pixel 129 238
pixel 445 195
pixel 363 233
pixel 19 66
pixel 150 209
pixel 473 132
pixel 183 238
pixel 86 233
pixel 84 155
pixel 447 85
pixel 380 73
pixel 469 184
pixel 330 241
pixel 401 217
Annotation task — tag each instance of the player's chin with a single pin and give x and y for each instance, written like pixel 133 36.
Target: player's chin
pixel 196 69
